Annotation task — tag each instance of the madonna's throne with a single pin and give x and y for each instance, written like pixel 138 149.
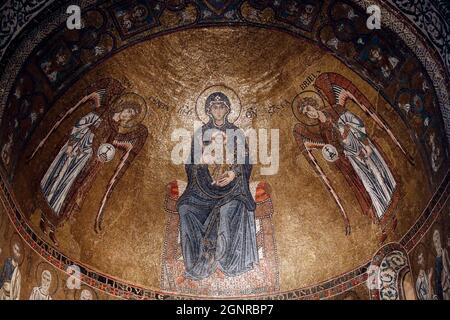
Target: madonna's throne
pixel 264 278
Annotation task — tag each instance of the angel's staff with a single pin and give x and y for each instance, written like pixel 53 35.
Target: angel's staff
pixel 68 113
pixel 131 144
pixel 100 213
pixel 327 183
pixel 378 119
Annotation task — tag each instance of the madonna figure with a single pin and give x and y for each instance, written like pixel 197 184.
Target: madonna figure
pixel 217 221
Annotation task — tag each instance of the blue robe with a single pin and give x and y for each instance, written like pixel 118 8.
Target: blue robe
pixel 7 272
pixel 217 224
pixel 438 267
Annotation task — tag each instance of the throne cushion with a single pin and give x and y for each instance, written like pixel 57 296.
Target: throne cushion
pixel 260 192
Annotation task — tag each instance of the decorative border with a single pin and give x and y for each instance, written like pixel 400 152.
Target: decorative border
pixel 15 15
pixel 436 204
pixel 392 285
pixel 432 17
pixel 438 73
pixel 126 290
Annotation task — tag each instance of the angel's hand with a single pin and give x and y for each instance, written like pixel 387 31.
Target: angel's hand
pixel 362 156
pixel 69 151
pixel 368 150
pixel 95 97
pixel 346 131
pixel 365 152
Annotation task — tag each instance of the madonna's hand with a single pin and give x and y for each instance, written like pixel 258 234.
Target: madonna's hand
pixel 226 179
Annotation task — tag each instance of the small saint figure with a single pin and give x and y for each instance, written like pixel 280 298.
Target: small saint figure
pixel 10 277
pixel 42 292
pixel 424 288
pixel 86 294
pixel 441 268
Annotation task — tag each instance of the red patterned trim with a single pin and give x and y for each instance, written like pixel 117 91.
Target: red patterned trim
pixel 126 290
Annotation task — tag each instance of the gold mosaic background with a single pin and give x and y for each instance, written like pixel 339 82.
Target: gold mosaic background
pixel 266 69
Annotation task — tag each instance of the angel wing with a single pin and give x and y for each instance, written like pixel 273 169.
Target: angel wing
pixel 60 120
pixel 131 144
pixel 338 89
pixel 309 141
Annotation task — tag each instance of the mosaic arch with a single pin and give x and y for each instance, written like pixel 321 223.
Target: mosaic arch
pixel 104 225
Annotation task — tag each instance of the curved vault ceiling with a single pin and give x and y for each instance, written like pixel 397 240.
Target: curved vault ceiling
pixel 270 56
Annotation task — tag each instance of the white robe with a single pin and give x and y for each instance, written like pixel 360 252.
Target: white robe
pixel 37 294
pixel 373 170
pixel 423 287
pixel 11 289
pixel 64 170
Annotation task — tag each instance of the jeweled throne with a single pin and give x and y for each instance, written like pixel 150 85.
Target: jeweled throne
pixel 263 279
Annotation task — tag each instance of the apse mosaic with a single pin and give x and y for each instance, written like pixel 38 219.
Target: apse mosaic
pixel 223 149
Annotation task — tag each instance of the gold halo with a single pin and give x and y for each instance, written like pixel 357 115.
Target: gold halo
pixel 420 248
pixel 38 275
pixel 15 238
pixel 427 258
pixel 77 293
pixel 437 226
pixel 125 100
pixel 235 103
pixel 296 103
